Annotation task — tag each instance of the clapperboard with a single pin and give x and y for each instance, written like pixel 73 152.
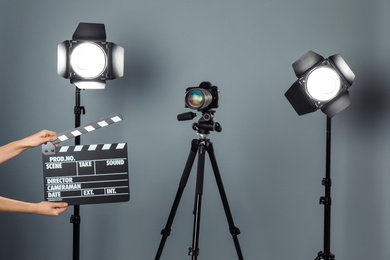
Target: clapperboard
pixel 86 174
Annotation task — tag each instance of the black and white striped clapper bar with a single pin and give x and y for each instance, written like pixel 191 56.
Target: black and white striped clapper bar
pixel 86 174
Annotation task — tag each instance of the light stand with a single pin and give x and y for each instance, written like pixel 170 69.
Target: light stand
pixel 201 145
pixel 87 60
pixel 322 84
pixel 75 219
pixel 327 200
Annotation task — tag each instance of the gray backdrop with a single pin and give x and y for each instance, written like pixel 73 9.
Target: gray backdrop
pixel 272 161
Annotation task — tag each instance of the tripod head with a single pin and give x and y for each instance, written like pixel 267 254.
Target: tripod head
pixel 205 124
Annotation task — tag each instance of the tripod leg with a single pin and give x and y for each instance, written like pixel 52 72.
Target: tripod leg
pixel 194 250
pixel 183 182
pixel 234 231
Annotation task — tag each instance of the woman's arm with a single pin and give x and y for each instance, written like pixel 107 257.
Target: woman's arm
pixel 15 148
pixel 46 208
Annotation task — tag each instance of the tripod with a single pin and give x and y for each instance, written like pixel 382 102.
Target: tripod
pixel 201 145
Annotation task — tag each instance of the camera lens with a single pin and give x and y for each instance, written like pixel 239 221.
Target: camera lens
pixel 198 98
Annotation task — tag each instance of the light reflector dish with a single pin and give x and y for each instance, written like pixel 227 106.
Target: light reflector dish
pixel 323 84
pixel 88 60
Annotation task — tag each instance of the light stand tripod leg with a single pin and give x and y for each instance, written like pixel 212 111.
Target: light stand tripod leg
pixel 234 231
pixel 183 182
pixel 194 250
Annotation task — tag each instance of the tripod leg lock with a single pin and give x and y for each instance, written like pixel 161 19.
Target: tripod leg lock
pixel 166 232
pixel 78 110
pixel 326 201
pixel 75 219
pixel 326 182
pixel 234 231
pixel 193 251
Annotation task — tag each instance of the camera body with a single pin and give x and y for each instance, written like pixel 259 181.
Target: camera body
pixel 203 97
